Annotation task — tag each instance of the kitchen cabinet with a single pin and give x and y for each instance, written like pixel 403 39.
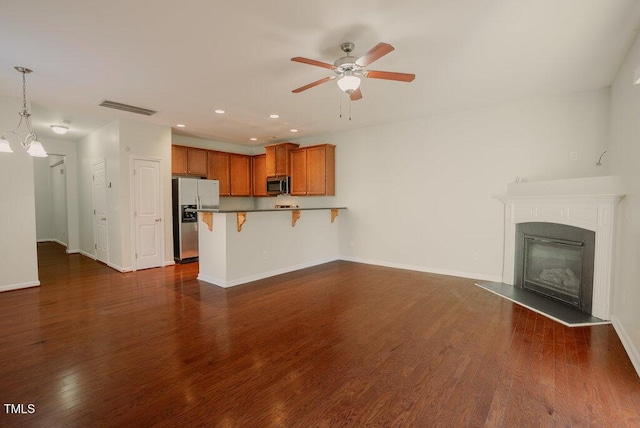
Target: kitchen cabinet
pixel 189 161
pixel 259 175
pixel 240 173
pixel 233 171
pixel 218 169
pixel 313 171
pixel 277 159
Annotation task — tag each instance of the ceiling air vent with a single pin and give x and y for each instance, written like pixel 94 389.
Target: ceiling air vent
pixel 127 107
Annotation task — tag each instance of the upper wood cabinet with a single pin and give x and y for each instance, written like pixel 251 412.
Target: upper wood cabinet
pixel 277 159
pixel 259 175
pixel 178 160
pixel 188 160
pixel 298 183
pixel 219 170
pixel 313 170
pixel 233 171
pixel 240 172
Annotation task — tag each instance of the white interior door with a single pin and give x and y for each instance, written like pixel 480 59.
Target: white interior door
pixel 147 214
pixel 100 211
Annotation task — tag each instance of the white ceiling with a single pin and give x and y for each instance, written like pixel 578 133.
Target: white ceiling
pixel 187 58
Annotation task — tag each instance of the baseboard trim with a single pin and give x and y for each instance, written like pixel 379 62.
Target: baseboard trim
pixel 76 251
pixel 470 275
pixel 11 287
pixel 84 253
pixel 169 263
pixel 39 241
pixel 226 284
pixel 119 268
pixel 629 346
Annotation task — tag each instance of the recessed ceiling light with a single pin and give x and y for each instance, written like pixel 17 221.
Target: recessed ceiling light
pixel 274 116
pixel 253 139
pixel 219 111
pixel 293 130
pixel 181 125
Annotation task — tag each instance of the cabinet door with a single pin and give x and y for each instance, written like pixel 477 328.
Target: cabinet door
pixel 270 161
pixel 259 175
pixel 197 162
pixel 298 160
pixel 240 172
pixel 282 160
pixel 316 175
pixel 219 170
pixel 178 160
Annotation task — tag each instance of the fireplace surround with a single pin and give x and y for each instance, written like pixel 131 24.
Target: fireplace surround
pixel 587 203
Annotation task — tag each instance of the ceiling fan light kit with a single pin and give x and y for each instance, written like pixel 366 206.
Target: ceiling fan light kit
pixel 350 70
pixel 349 83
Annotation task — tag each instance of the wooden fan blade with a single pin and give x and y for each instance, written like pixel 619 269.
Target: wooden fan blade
pixel 311 85
pixel 356 95
pixel 313 62
pixel 388 75
pixel 375 53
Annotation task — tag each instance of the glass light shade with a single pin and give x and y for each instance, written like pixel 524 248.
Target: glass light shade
pixel 59 129
pixel 36 150
pixel 349 83
pixel 5 147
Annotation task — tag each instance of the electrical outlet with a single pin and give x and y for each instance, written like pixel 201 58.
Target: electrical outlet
pixel 476 256
pixel 351 243
pixel 573 156
pixel 265 255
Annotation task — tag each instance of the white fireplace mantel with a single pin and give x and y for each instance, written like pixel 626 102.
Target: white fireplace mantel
pixel 588 203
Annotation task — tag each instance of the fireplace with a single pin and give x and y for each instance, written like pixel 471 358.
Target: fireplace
pixel 587 204
pixel 556 260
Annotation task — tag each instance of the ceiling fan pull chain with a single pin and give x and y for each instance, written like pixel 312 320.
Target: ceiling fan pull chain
pixel 349 108
pixel 340 98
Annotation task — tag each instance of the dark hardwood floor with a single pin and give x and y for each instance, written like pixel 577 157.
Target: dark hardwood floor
pixel 342 344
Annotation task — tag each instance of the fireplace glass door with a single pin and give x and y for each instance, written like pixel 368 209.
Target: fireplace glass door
pixel 553 267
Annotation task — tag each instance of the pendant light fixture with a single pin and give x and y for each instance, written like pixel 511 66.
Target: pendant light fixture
pixel 30 142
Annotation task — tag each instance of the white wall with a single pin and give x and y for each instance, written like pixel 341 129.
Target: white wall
pixel 625 157
pixel 59 218
pixel 51 199
pixel 119 142
pixel 101 144
pixel 42 188
pixel 18 256
pixel 68 149
pixel 140 140
pixel 182 140
pixel 419 193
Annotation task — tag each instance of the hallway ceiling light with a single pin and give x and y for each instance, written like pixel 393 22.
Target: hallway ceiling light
pixel 59 129
pixel 30 142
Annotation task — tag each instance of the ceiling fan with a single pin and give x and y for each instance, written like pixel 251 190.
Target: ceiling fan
pixel 349 70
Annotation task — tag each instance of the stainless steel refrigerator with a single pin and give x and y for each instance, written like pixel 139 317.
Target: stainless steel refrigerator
pixel 189 194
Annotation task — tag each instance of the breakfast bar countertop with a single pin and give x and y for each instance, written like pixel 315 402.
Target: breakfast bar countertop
pixel 216 210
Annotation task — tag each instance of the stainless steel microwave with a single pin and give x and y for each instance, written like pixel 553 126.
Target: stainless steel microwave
pixel 278 185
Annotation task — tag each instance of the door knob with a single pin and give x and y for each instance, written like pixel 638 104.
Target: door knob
pixel 158 219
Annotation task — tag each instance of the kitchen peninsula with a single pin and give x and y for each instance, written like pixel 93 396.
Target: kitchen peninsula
pixel 241 246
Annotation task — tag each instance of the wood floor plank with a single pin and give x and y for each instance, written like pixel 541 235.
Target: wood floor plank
pixel 340 344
